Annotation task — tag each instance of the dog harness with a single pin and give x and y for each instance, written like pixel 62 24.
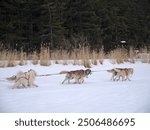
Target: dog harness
pixel 25 76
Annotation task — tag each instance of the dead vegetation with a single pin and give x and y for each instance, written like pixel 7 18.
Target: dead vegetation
pixel 45 57
pixel 78 56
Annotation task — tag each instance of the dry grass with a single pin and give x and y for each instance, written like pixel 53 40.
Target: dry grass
pixel 56 56
pixel 144 55
pixel 22 58
pixel 77 56
pixel 8 59
pixel 85 57
pixel 3 58
pixel 11 58
pixel 149 59
pixel 132 55
pixel 74 57
pixel 94 58
pixel 65 57
pixel 45 57
pixel 35 58
pixel 118 56
pixel 101 56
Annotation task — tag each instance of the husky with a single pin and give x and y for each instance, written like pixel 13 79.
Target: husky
pixel 114 74
pixel 124 73
pixel 78 75
pixel 24 79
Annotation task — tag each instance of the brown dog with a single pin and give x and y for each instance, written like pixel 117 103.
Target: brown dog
pixel 123 73
pixel 78 75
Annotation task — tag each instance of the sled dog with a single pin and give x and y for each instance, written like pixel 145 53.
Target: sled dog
pixel 24 79
pixel 78 75
pixel 114 74
pixel 124 73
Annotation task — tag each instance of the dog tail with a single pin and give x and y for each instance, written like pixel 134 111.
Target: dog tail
pixel 12 78
pixel 117 70
pixel 108 70
pixel 63 72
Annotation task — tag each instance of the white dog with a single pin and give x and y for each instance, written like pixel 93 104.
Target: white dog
pixel 25 79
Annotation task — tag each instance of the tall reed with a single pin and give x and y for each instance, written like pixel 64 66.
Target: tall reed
pixel 45 57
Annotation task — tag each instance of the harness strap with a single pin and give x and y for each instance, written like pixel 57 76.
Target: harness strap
pixel 27 77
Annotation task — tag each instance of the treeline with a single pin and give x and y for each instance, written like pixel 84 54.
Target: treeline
pixel 67 24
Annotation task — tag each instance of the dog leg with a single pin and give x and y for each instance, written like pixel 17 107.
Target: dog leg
pixel 65 80
pixel 35 85
pixel 16 85
pixel 112 78
pixel 68 81
pixel 128 79
pixel 82 81
pixel 124 79
pixel 79 81
pixel 76 80
pixel 25 86
pixel 119 77
pixel 116 78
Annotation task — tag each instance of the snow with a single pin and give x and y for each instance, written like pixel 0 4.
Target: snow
pixel 97 94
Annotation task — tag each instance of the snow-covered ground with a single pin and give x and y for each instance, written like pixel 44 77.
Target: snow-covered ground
pixel 97 94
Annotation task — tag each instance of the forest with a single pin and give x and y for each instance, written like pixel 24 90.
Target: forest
pixel 66 24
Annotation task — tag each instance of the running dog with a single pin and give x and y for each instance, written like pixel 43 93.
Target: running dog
pixel 24 79
pixel 121 72
pixel 78 75
pixel 125 73
pixel 114 74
